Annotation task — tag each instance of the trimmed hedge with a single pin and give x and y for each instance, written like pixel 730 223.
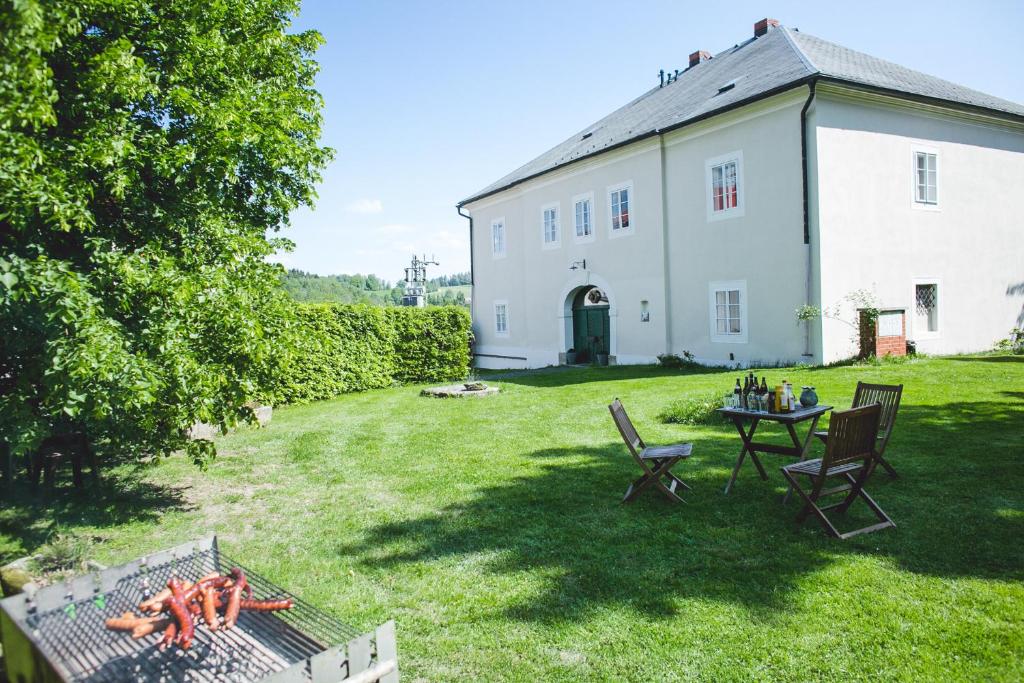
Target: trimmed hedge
pixel 341 348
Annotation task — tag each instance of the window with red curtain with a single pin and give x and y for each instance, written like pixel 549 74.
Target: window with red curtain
pixel 724 187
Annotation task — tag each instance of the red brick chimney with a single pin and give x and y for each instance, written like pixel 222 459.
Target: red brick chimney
pixel 699 56
pixel 762 27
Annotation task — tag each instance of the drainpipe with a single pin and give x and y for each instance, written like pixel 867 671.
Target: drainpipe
pixel 472 275
pixel 666 265
pixel 807 216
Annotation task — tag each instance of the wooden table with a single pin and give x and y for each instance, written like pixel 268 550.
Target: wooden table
pixel 740 416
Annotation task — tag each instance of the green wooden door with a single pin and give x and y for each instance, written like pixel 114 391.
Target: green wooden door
pixel 590 329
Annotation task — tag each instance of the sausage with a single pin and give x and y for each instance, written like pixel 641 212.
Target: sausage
pixel 192 591
pixel 128 621
pixel 158 624
pixel 267 605
pixel 169 634
pixel 180 611
pixel 210 607
pixel 235 597
pixel 155 603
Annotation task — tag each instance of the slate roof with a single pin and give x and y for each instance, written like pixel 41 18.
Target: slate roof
pixel 759 67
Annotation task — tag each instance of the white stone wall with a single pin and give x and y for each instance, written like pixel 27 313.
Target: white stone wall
pixel 536 280
pixel 865 234
pixel 763 248
pixel 873 236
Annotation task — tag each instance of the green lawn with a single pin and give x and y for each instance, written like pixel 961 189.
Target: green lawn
pixel 491 531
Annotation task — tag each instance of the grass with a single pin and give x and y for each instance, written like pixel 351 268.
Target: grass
pixel 466 290
pixel 491 531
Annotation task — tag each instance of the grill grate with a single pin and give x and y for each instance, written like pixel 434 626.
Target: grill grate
pixel 71 635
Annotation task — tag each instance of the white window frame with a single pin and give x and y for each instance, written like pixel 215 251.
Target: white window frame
pixel 583 239
pixel 504 304
pixel 728 285
pixel 631 200
pixel 504 238
pixel 914 203
pixel 741 187
pixel 926 334
pixel 557 241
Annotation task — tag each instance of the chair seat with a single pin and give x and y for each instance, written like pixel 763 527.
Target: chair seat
pixel 679 450
pixel 813 467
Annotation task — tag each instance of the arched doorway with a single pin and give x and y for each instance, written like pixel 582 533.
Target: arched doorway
pixel 591 325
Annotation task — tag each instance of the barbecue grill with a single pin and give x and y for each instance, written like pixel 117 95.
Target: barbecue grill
pixel 58 634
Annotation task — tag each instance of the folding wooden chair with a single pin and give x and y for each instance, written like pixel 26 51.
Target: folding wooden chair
pixel 888 396
pixel 849 454
pixel 655 461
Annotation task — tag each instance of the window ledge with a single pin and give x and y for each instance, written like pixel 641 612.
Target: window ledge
pixel 725 214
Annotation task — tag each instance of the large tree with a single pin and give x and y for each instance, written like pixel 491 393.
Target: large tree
pixel 149 150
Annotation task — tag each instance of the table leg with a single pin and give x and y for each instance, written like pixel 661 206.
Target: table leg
pixel 747 438
pixel 804 449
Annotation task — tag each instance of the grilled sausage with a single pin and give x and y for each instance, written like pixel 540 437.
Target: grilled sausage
pixel 267 605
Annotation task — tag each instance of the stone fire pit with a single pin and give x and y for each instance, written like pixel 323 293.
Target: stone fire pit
pixel 472 389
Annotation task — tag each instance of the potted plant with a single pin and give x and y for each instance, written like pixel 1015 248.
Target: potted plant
pixel 570 357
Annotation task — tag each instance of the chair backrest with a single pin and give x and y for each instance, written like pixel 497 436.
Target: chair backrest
pixel 887 396
pixel 626 428
pixel 851 435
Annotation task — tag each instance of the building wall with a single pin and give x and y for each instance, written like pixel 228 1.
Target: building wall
pixel 873 236
pixel 536 280
pixel 764 247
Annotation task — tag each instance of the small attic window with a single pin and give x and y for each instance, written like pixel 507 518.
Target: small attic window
pixel 728 86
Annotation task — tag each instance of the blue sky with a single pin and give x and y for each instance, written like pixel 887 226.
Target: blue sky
pixel 427 102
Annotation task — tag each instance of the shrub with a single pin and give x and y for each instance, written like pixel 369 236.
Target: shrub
pixel 693 410
pixel 671 360
pixel 341 348
pixel 430 344
pixel 1014 343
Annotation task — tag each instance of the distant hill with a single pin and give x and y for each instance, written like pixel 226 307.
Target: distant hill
pixel 370 289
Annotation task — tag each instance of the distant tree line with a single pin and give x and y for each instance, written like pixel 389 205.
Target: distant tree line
pixel 369 289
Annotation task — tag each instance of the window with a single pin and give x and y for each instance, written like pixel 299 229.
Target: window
pixel 620 203
pixel 583 217
pixel 926 308
pixel 498 237
pixel 725 186
pixel 549 224
pixel 926 177
pixel 501 318
pixel 724 192
pixel 728 311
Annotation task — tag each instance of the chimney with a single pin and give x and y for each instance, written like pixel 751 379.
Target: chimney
pixel 699 56
pixel 762 27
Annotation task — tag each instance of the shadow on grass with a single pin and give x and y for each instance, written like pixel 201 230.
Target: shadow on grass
pixel 28 516
pixel 956 504
pixel 989 359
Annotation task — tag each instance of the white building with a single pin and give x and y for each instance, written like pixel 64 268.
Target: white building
pixel 782 172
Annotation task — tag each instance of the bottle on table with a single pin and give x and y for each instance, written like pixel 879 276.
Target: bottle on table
pixel 736 394
pixel 752 400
